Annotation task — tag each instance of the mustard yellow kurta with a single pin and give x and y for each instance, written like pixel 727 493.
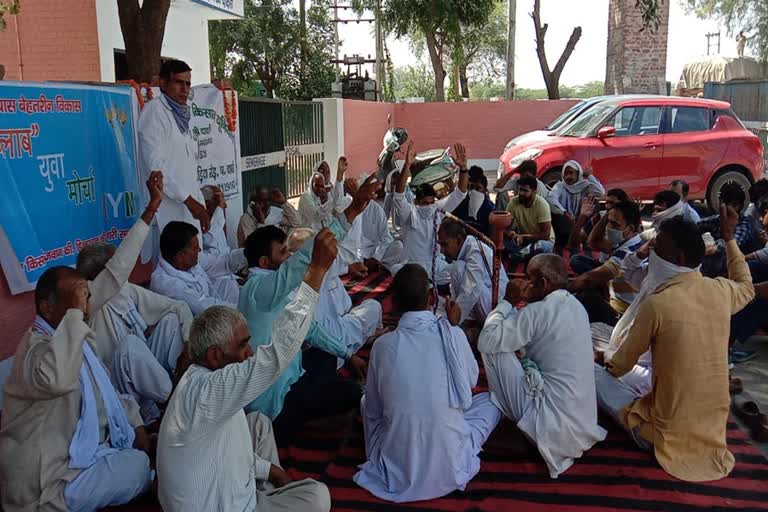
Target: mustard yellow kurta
pixel 686 324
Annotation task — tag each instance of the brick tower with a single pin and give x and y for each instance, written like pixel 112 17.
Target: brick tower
pixel 636 59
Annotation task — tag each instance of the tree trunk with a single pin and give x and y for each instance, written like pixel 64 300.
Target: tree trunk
pixel 510 90
pixel 464 81
pixel 303 37
pixel 551 76
pixel 143 29
pixel 435 56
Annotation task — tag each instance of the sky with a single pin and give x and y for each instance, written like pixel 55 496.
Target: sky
pixel 687 41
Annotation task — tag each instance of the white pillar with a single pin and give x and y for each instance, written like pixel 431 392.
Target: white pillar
pixel 333 129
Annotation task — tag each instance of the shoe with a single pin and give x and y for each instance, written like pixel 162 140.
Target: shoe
pixel 741 356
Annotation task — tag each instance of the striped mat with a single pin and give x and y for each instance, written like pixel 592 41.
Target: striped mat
pixel 613 476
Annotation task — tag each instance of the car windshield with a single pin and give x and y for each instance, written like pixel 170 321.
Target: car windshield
pixel 587 123
pixel 565 116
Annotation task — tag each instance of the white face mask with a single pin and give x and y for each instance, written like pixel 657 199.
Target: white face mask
pixel 426 211
pixel 476 200
pixel 615 236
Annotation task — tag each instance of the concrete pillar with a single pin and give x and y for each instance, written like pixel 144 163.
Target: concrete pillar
pixel 333 129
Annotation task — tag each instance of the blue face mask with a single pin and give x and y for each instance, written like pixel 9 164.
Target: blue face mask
pixel 615 236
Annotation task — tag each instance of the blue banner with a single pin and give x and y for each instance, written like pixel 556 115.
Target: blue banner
pixel 68 174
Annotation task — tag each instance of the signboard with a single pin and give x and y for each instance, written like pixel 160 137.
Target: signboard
pixel 68 174
pixel 218 150
pixel 234 7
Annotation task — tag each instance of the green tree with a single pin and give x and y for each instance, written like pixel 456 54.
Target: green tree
pixel 413 82
pixel 10 8
pixel 441 22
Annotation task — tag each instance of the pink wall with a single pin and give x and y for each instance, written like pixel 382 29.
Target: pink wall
pixel 483 127
pixel 365 123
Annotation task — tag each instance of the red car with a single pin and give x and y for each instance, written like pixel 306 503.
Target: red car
pixel 643 144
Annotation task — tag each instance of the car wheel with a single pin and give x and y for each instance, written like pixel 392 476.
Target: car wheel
pixel 552 176
pixel 720 179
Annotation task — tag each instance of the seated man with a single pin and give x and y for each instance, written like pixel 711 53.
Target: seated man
pixel 295 397
pixel 321 202
pixel 393 178
pixel 210 455
pixel 477 207
pixel 471 272
pixel 746 235
pixel 616 233
pixel 215 240
pixel 588 217
pixel 261 213
pixel 185 274
pixel 377 247
pixel 419 220
pixel 550 394
pixel 68 440
pixel 681 188
pixel 510 181
pixel 667 204
pixel 423 428
pixel 139 335
pixel 685 325
pixel 531 231
pixel 758 260
pixel 577 184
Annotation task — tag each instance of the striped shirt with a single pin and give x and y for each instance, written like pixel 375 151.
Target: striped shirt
pixel 205 456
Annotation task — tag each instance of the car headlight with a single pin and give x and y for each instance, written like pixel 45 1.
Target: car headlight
pixel 528 154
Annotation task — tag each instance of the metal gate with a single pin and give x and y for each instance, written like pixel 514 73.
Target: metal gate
pixel 281 143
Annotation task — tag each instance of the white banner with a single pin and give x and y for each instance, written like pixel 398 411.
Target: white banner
pixel 218 150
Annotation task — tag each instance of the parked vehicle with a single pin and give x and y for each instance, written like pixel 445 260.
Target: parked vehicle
pixel 563 119
pixel 641 144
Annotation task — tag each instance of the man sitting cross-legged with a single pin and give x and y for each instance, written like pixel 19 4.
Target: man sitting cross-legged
pixel 185 273
pixel 297 396
pixel 685 324
pixel 471 271
pixel 423 428
pixel 211 456
pixel 616 233
pixel 139 335
pixel 531 232
pixel 550 394
pixel 67 440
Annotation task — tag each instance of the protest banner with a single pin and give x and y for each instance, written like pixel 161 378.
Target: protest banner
pixel 68 174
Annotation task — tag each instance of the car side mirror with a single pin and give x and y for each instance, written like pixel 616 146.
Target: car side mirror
pixel 606 132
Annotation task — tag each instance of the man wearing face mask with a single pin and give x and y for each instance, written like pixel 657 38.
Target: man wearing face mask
pixel 476 209
pixel 683 417
pixel 553 400
pixel 667 204
pixel 531 230
pixel 617 233
pixel 420 219
pixel 321 201
pixel 585 223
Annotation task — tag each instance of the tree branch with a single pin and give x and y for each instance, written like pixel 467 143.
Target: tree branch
pixel 575 36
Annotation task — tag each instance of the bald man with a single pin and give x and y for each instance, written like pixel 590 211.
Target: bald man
pixel 539 364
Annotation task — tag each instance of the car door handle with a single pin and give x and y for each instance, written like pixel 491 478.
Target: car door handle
pixel 650 145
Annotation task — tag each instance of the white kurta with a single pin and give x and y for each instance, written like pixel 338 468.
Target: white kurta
pixel 162 147
pixel 472 280
pixel 315 214
pixel 555 407
pixel 206 457
pixel 334 309
pixel 195 286
pixel 418 229
pixel 418 447
pixel 377 241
